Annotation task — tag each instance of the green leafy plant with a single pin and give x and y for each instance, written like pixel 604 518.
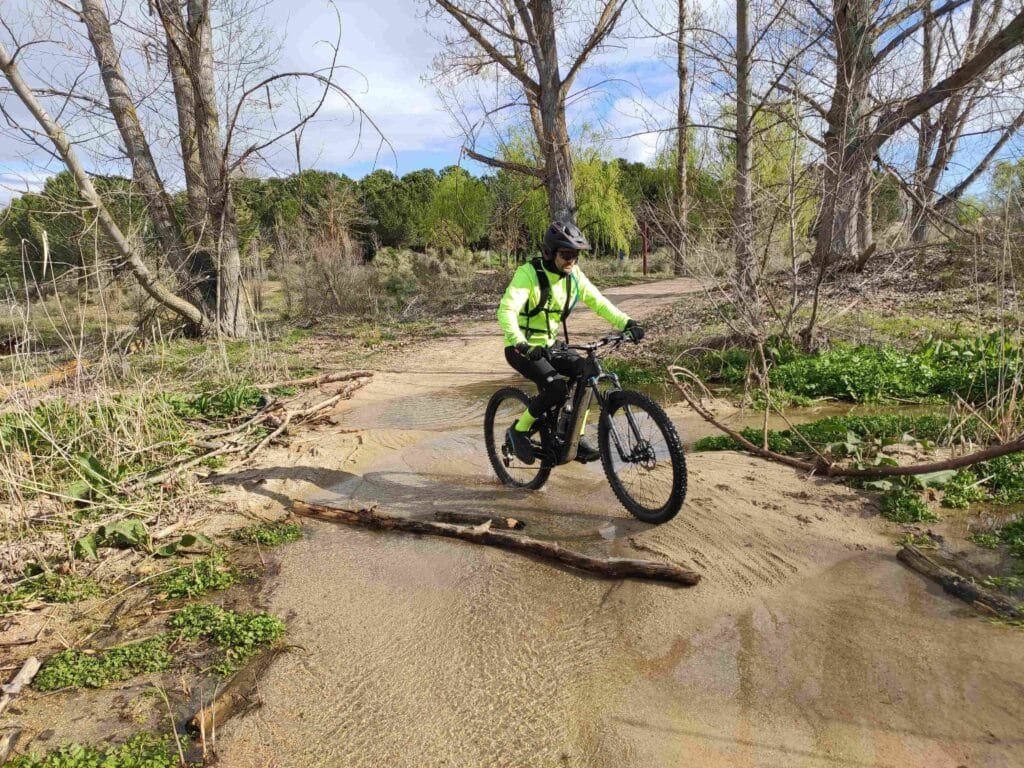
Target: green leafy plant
pixel 985 540
pixel 905 506
pixel 142 750
pixel 1012 585
pixel 195 579
pixel 238 635
pixel 79 669
pixel 269 534
pixel 216 402
pixel 843 435
pixel 922 541
pixel 50 588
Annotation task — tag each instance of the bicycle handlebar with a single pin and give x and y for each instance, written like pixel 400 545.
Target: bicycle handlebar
pixel 615 338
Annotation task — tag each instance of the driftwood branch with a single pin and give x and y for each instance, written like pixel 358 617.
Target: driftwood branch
pixel 24 677
pixel 473 518
pixel 957 585
pixel 831 469
pixel 616 568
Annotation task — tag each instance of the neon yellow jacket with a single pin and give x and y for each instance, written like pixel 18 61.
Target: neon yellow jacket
pixel 523 293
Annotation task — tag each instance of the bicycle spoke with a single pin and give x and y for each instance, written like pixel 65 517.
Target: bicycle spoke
pixel 648 473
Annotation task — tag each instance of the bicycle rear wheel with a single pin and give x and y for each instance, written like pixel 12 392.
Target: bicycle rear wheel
pixel 503 409
pixel 645 465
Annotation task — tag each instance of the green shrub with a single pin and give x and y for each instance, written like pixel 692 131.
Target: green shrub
pixel 973 369
pixel 76 669
pixel 216 402
pixel 83 450
pixel 834 430
pixel 50 588
pixel 985 539
pixel 904 506
pixel 961 490
pixel 143 750
pixel 210 573
pixel 269 534
pixel 238 635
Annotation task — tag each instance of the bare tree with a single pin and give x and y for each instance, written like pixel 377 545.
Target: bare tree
pixel 517 42
pixel 988 107
pixel 201 247
pixel 857 129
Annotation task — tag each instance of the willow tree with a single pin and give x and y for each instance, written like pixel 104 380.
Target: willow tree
pixel 533 50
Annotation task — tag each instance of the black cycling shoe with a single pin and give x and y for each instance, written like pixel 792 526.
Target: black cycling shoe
pixel 521 446
pixel 585 452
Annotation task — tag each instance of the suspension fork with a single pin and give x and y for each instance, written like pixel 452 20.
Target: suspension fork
pixel 633 427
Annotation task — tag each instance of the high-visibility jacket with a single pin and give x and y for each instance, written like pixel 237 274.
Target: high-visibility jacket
pixel 524 293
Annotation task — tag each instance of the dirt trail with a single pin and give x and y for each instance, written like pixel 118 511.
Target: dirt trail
pixel 807 643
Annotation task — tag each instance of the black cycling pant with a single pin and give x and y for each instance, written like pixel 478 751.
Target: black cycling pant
pixel 547 373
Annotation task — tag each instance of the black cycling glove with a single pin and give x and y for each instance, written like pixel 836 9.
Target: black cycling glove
pixel 530 353
pixel 633 331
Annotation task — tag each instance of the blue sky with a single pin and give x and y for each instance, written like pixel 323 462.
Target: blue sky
pixel 390 45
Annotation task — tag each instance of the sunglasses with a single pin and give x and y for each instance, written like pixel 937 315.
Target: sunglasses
pixel 568 255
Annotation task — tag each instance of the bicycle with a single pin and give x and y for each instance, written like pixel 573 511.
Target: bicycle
pixel 640 449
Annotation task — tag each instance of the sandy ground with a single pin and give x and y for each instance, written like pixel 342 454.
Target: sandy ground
pixel 806 644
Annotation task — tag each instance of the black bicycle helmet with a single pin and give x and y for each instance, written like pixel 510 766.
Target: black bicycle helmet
pixel 561 235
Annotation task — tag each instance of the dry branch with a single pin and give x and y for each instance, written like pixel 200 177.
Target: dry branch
pixel 473 518
pixel 957 585
pixel 327 378
pixel 831 469
pixel 73 368
pixel 24 677
pixel 617 568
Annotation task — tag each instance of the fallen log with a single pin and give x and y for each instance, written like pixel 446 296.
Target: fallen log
pixel 616 568
pixel 474 518
pixel 957 585
pixel 327 378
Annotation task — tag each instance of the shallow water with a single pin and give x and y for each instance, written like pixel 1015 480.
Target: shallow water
pixel 806 644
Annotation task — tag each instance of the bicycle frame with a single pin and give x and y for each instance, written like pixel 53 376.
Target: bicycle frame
pixel 585 390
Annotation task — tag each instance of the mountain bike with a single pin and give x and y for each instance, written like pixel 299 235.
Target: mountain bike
pixel 640 449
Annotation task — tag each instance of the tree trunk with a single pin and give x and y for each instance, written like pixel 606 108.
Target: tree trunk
pixel 147 280
pixel 925 136
pixel 215 261
pixel 554 142
pixel 865 221
pixel 144 169
pixel 683 146
pixel 745 276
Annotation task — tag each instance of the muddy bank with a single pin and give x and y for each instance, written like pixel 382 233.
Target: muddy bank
pixel 806 644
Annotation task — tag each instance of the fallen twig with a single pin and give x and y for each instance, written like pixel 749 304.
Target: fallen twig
pixel 483 534
pixel 19 681
pixel 327 378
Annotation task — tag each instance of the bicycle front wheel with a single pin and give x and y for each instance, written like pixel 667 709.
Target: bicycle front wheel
pixel 504 408
pixel 642 457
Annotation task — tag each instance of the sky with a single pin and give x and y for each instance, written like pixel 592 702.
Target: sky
pixel 389 46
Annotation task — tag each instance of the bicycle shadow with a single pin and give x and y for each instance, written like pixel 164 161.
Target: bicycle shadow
pixel 552 514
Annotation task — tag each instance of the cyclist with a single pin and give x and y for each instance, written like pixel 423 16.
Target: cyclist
pixel 541 295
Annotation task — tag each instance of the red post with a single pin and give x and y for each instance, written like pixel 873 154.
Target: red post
pixel 644 231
